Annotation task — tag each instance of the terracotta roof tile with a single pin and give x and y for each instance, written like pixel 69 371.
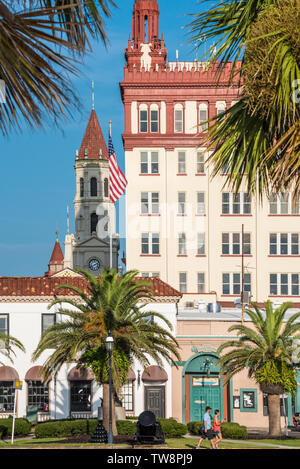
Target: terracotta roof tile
pixel 45 286
pixel 57 254
pixel 93 140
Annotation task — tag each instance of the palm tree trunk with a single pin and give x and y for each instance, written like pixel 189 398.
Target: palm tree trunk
pixel 274 415
pixel 106 410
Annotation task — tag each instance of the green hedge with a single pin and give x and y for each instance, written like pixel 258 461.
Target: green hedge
pixel 22 427
pixel 65 428
pixel 170 427
pixel 229 430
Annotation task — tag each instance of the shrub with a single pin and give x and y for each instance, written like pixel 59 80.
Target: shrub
pixel 171 428
pixel 125 427
pixel 229 430
pixel 22 427
pixel 65 428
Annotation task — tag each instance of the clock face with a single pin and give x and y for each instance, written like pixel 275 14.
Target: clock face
pixel 94 265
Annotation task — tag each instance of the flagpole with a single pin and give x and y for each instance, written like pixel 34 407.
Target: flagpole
pixel 110 219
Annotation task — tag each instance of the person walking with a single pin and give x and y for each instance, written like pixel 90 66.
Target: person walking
pixel 206 429
pixel 217 428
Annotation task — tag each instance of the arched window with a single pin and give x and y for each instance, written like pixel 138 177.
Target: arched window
pixel 154 123
pixel 105 187
pixel 94 222
pixel 81 187
pixel 93 183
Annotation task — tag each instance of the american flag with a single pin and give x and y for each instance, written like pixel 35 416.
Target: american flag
pixel 117 180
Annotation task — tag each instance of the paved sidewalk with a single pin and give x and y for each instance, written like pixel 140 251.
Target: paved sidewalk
pixel 250 443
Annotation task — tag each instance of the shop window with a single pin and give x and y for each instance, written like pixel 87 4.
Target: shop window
pixel 81 393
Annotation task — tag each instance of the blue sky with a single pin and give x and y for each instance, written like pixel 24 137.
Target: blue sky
pixel 37 179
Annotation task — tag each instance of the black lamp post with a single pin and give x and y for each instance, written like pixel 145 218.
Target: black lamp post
pixel 109 347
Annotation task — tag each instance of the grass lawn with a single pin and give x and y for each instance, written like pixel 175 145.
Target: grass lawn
pixel 173 443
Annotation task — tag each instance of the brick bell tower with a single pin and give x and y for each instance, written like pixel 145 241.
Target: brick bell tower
pixel 145 48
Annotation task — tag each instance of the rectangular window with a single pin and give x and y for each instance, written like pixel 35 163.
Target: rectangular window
pixel 283 405
pixel 284 244
pixel 182 282
pixel 149 162
pixel 181 203
pixel 150 203
pixel 4 324
pixel 203 117
pixel 284 284
pixel 200 203
pixel 232 283
pixel 178 118
pixel 283 204
pixel 200 244
pixel 200 162
pixel 150 243
pixel 181 244
pixel 150 274
pixel 232 244
pixel 143 121
pixel 181 163
pixel 201 282
pixel 127 396
pixel 81 396
pixel 236 204
pixel 38 395
pixel 154 121
pixel 7 396
pixel 48 320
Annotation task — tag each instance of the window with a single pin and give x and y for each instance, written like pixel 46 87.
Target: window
pixel 283 204
pixel 200 162
pixel 143 120
pixel 203 117
pixel 283 405
pixel 150 243
pixel 150 274
pixel 248 400
pixel 149 162
pixel 221 107
pixel 7 396
pixel 200 203
pixel 127 396
pixel 154 120
pixel 94 222
pixel 201 244
pixel 236 204
pixel 181 163
pixel 201 282
pixel 181 244
pixel 38 395
pixel 232 283
pixel 81 183
pixel 284 244
pixel 93 184
pixel 4 324
pixel 48 320
pixel 181 203
pixel 106 187
pixel 178 120
pixel 150 203
pixel 81 392
pixel 182 282
pixel 284 284
pixel 232 244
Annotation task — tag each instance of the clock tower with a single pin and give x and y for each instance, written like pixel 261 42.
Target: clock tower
pixel 89 247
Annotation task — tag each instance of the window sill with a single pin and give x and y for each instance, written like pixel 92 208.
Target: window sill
pixel 284 255
pixel 149 174
pixel 200 174
pixel 284 215
pixel 149 214
pixel 181 174
pixel 182 255
pixel 283 296
pixel 150 255
pixel 236 255
pixel 236 215
pixel 200 255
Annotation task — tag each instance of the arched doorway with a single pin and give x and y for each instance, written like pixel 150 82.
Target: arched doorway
pixel 202 386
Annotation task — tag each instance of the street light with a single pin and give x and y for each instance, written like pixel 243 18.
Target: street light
pixel 109 347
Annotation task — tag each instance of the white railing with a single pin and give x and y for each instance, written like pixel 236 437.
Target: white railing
pixel 81 415
pixel 43 417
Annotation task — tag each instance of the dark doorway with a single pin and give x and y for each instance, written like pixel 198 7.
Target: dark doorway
pixel 155 400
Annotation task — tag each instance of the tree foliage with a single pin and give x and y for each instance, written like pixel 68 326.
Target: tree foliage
pixel 41 42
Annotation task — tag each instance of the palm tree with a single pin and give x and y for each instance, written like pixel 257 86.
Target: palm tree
pixel 7 344
pixel 259 140
pixel 267 349
pixel 41 42
pixel 113 305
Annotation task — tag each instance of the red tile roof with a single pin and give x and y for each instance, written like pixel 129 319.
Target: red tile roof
pixel 93 140
pixel 45 286
pixel 57 254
